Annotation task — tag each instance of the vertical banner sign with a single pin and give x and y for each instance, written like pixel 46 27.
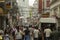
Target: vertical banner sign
pixel 47 3
pixel 40 5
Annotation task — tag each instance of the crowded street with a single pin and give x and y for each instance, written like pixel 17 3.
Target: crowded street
pixel 29 19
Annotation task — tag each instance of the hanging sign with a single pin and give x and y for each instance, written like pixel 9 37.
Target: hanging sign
pixel 2 0
pixel 8 5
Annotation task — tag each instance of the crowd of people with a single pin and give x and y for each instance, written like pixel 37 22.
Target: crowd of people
pixel 25 33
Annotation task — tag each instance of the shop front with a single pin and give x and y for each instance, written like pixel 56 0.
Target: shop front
pixel 48 22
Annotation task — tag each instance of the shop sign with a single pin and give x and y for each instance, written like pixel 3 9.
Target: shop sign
pixel 8 5
pixel 2 0
pixel 1 10
pixel 45 15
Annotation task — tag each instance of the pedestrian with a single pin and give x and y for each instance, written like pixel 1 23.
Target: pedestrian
pixel 31 32
pixel 47 33
pixel 1 31
pixel 6 35
pixel 18 34
pixel 22 32
pixel 27 34
pixel 13 32
pixel 40 35
pixel 36 32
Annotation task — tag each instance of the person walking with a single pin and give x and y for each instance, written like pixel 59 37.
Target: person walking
pixel 31 32
pixel 27 34
pixel 18 34
pixel 47 33
pixel 22 32
pixel 40 35
pixel 13 32
pixel 6 35
pixel 36 32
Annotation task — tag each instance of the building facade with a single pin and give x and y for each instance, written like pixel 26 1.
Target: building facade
pixel 12 12
pixel 55 10
pixel 8 9
pixel 3 19
pixel 46 6
pixel 35 8
pixel 23 7
pixel 35 12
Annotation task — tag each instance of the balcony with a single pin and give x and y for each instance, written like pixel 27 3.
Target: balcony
pixel 53 1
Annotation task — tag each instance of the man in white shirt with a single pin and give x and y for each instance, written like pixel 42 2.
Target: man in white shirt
pixel 31 33
pixel 47 32
pixel 36 32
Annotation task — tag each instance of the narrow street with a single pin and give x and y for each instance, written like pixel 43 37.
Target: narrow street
pixel 29 19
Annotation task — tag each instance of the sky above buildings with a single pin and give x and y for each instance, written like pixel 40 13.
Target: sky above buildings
pixel 31 2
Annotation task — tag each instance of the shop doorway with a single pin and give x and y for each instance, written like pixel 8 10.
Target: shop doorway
pixel 50 25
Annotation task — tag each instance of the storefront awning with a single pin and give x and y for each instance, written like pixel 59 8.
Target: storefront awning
pixel 48 20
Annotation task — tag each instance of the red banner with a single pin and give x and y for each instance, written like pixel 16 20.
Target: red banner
pixel 40 6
